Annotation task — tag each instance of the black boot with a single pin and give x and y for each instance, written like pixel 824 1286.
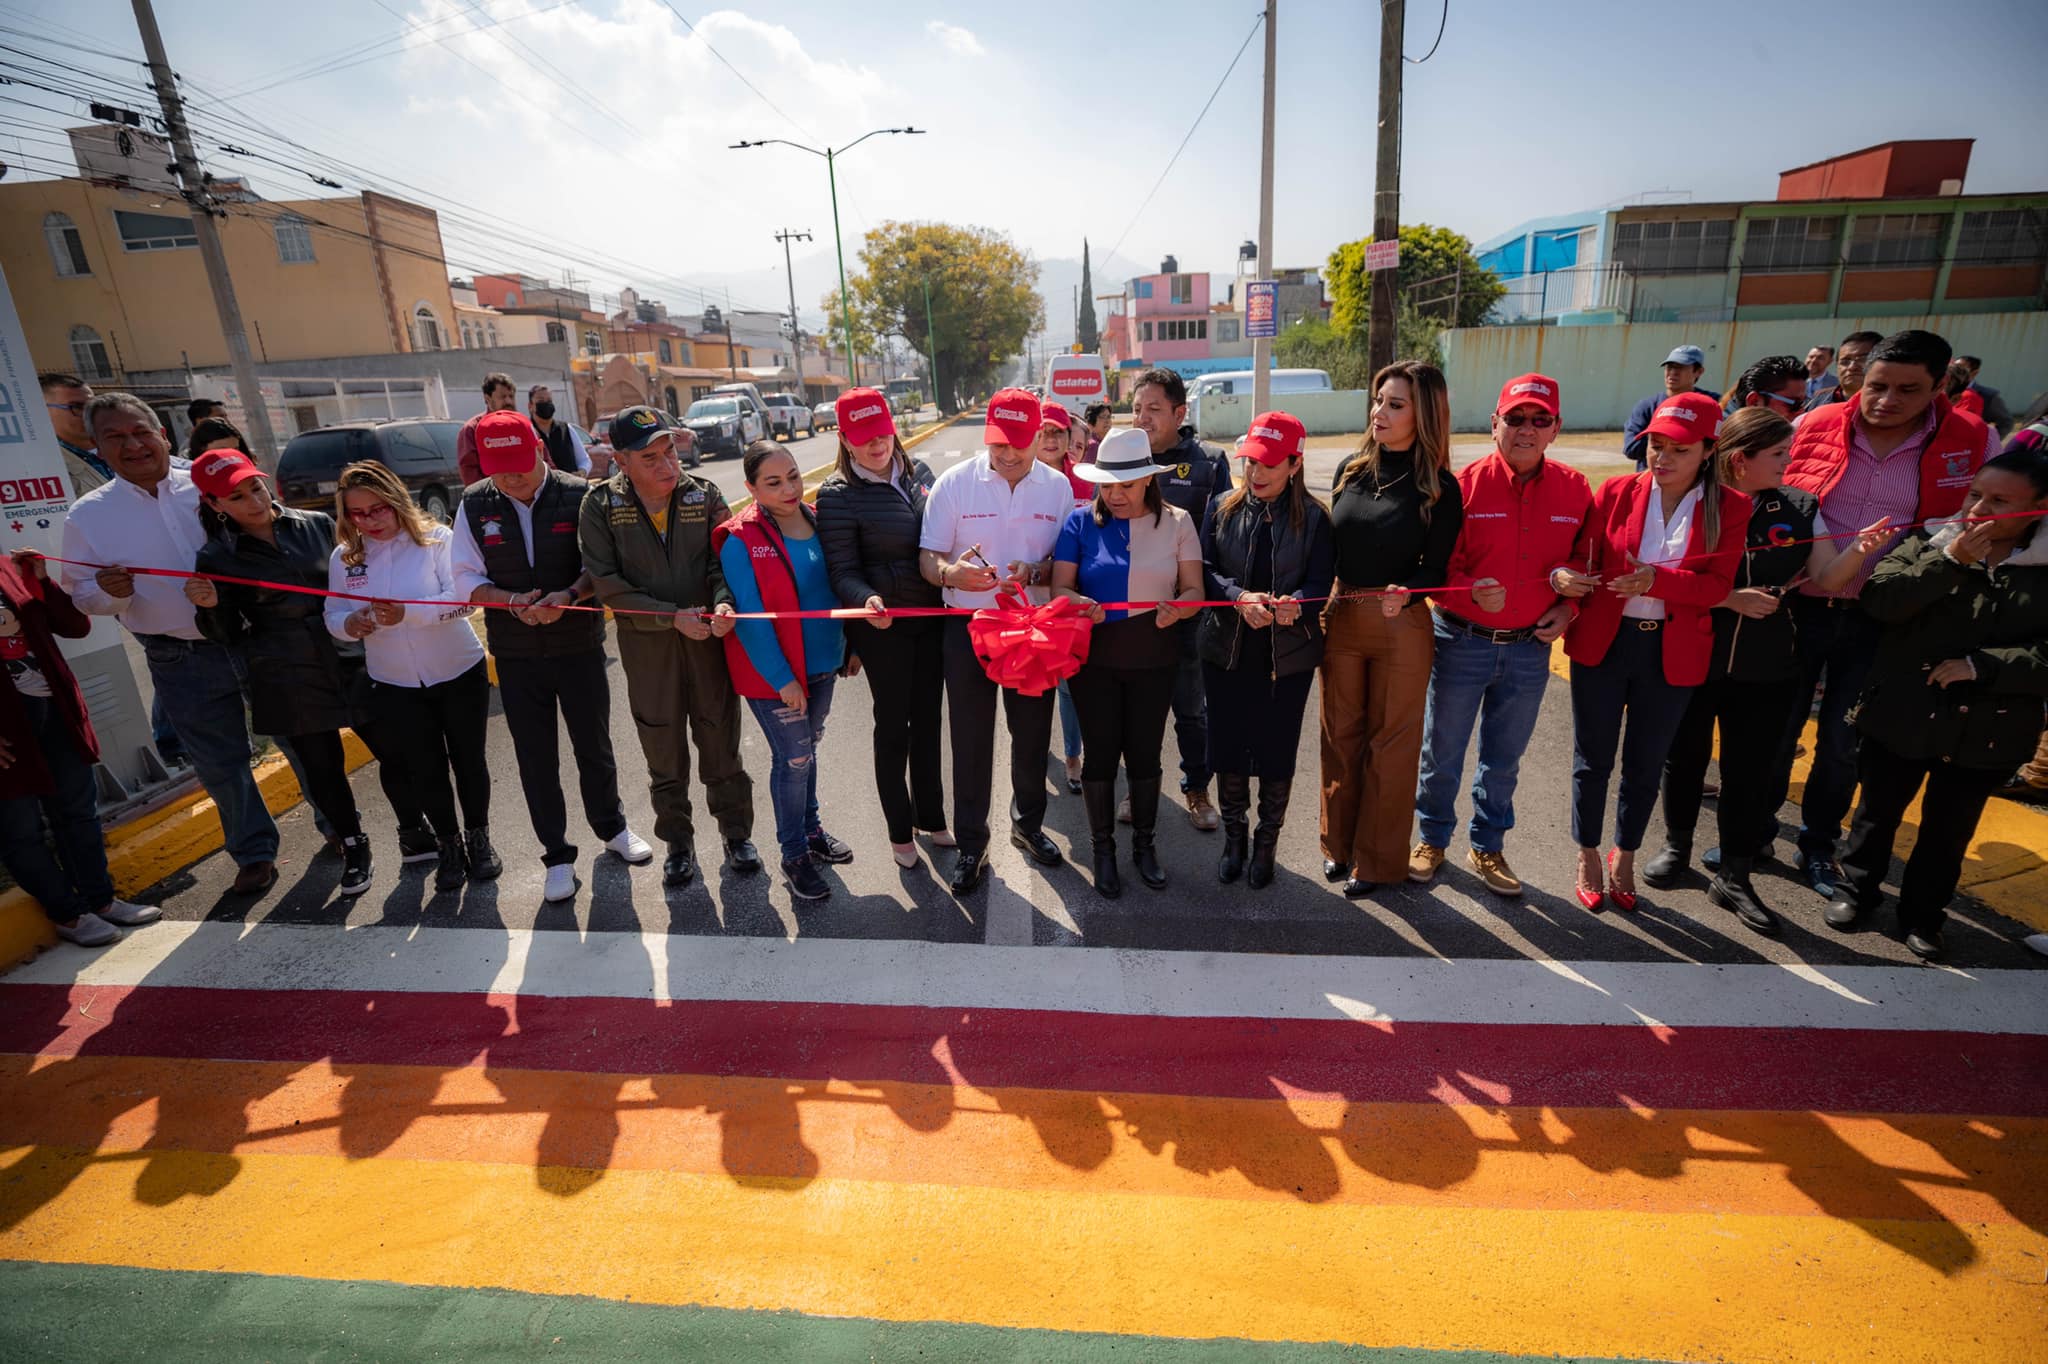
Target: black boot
pixel 454 864
pixel 1234 800
pixel 1099 797
pixel 1273 796
pixel 1663 870
pixel 1731 890
pixel 1144 819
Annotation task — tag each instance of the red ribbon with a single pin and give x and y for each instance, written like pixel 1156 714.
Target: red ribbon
pixel 1030 649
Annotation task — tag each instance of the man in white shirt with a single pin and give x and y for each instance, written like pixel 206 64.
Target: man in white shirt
pixel 988 521
pixel 148 517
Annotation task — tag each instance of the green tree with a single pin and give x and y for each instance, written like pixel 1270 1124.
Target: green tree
pixel 1087 332
pixel 1435 258
pixel 984 298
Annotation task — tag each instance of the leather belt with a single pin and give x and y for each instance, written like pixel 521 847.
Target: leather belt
pixel 1485 632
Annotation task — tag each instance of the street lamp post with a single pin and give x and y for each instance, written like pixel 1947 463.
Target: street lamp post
pixel 831 155
pixel 931 341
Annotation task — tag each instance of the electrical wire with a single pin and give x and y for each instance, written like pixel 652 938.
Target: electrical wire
pixel 737 72
pixel 1442 20
pixel 1256 23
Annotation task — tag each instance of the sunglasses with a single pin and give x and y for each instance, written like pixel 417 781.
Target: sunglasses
pixel 369 513
pixel 1542 421
pixel 1779 398
pixel 75 409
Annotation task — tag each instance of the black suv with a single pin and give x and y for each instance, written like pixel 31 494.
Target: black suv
pixel 421 451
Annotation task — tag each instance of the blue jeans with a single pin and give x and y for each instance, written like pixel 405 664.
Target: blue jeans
pixel 202 694
pixel 1191 712
pixel 73 880
pixel 793 741
pixel 1070 723
pixel 1499 688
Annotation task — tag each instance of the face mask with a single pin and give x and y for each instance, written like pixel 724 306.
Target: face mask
pixel 545 411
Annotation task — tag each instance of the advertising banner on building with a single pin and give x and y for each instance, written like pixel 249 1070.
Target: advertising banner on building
pixel 1262 309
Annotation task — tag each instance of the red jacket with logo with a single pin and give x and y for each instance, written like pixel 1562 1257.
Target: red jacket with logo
pixel 1689 592
pixel 1515 533
pixel 777 581
pixel 45 613
pixel 1949 460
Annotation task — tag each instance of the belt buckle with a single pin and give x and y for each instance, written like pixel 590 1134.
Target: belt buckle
pixel 1646 626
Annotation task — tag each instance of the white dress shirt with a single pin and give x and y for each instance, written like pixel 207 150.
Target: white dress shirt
pixel 972 504
pixel 467 557
pixel 1663 544
pixel 430 645
pixel 119 524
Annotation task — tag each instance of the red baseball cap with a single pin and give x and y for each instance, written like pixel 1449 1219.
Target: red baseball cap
pixel 1055 414
pixel 1013 419
pixel 506 443
pixel 863 415
pixel 1688 418
pixel 1274 438
pixel 1528 390
pixel 219 472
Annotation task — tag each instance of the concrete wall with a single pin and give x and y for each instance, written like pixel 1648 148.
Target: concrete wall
pixel 1603 372
pixel 1229 415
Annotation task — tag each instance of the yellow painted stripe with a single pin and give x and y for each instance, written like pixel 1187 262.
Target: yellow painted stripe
pixel 1611 1283
pixel 2005 868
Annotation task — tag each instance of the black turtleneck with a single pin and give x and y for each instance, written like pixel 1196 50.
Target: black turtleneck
pixel 1381 538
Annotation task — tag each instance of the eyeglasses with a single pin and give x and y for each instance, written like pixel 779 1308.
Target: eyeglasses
pixel 75 409
pixel 1778 398
pixel 1542 421
pixel 382 509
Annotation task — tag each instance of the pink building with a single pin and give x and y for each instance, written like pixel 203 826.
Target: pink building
pixel 1161 319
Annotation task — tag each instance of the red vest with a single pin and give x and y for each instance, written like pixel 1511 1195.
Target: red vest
pixel 777 581
pixel 1949 460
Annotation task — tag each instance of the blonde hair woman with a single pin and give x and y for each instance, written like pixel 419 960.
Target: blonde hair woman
pixel 428 684
pixel 1394 521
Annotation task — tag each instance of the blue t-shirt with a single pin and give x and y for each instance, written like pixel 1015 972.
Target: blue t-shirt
pixel 1102 555
pixel 824 640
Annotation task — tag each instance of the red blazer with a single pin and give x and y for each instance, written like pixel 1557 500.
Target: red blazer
pixel 45 612
pixel 1689 592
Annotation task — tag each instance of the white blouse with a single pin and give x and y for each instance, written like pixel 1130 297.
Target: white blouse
pixel 430 645
pixel 1663 544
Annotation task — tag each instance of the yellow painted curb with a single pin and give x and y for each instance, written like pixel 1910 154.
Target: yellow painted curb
pixel 2004 868
pixel 150 847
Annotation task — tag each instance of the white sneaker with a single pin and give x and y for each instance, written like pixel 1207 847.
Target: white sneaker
pixel 88 930
pixel 130 916
pixel 629 846
pixel 561 882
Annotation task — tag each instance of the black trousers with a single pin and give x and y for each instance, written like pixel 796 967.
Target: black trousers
pixel 1123 718
pixel 1751 717
pixel 441 729
pixel 1628 682
pixel 971 716
pixel 906 672
pixel 1837 646
pixel 533 691
pixel 1949 811
pixel 326 770
pixel 1259 734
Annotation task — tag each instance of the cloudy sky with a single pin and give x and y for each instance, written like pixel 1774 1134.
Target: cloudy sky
pixel 592 135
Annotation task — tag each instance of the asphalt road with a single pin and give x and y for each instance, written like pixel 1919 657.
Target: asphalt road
pixel 1022 904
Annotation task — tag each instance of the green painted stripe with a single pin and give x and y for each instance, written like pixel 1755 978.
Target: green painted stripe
pixel 105 1314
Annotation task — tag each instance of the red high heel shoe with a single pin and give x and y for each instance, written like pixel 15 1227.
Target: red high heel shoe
pixel 1589 898
pixel 1623 899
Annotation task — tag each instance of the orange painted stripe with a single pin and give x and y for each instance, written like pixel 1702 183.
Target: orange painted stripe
pixel 1904 1168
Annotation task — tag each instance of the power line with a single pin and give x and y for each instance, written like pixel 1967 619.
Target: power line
pixel 738 73
pixel 1441 21
pixel 1170 161
pixel 329 63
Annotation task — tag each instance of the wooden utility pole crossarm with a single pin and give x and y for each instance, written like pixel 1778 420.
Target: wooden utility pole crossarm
pixel 255 415
pixel 1386 199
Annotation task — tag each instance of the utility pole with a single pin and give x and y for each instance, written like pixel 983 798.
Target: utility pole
pixel 931 344
pixel 255 415
pixel 796 328
pixel 1386 196
pixel 731 365
pixel 1262 348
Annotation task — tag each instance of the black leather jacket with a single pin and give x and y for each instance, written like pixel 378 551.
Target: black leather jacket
pixel 1304 562
pixel 299 682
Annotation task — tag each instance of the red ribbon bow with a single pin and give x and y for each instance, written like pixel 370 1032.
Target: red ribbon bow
pixel 1031 649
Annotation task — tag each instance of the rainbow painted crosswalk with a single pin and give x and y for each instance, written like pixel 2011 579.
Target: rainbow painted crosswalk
pixel 268 1142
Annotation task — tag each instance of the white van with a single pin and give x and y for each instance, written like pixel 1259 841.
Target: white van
pixel 1076 381
pixel 1240 381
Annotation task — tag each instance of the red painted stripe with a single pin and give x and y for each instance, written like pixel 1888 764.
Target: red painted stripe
pixel 1523 1064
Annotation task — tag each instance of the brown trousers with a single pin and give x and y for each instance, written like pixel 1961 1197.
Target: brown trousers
pixel 1375 684
pixel 2035 773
